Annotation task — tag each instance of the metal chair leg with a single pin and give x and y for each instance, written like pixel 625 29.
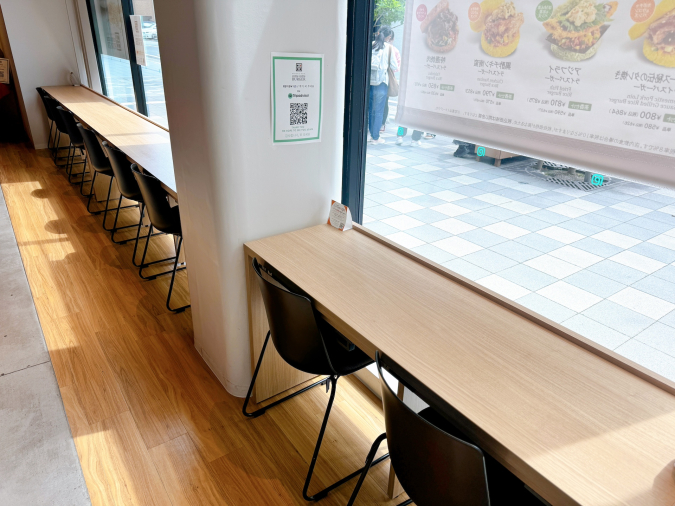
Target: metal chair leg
pixel 369 462
pixel 115 228
pixel 83 180
pixel 173 278
pixel 144 264
pixel 91 192
pixel 262 410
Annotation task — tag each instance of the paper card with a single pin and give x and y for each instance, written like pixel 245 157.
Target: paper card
pixel 340 216
pixel 139 43
pixel 4 71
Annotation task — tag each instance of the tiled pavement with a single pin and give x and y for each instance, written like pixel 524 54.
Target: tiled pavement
pixel 600 263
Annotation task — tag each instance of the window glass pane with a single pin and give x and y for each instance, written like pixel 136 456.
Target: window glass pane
pixel 598 259
pixel 111 39
pixel 152 73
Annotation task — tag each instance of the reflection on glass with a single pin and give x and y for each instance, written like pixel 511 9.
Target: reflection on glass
pixel 152 74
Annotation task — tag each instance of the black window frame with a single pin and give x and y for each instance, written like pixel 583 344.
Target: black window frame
pixel 360 14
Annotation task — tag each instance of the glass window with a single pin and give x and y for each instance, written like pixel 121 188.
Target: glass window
pixel 123 80
pixel 593 253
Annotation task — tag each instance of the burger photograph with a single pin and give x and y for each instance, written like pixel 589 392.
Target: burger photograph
pixel 441 28
pixel 576 26
pixel 659 33
pixel 500 25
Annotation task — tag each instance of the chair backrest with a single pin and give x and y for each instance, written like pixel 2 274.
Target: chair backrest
pixel 121 166
pixel 295 333
pixel 53 114
pixel 156 201
pixel 43 95
pixel 95 152
pixel 71 126
pixel 432 466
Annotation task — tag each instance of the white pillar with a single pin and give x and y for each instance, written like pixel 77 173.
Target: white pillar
pixel 234 185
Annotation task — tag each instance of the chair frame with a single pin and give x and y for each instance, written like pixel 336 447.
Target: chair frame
pixel 331 384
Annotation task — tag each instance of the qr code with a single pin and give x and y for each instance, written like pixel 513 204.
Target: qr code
pixel 298 114
pixel 298 67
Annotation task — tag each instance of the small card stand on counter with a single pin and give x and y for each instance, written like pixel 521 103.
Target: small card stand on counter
pixel 340 217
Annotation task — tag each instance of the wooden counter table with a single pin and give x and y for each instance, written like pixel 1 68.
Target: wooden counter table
pixel 575 427
pixel 145 143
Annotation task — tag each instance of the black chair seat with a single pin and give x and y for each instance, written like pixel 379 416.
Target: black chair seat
pixel 343 361
pixel 175 227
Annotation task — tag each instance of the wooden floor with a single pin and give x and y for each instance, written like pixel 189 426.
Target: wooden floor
pixel 152 424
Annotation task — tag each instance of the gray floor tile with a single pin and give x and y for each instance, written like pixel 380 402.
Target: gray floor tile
pixel 408 171
pixel 434 254
pixel 485 186
pixel 466 269
pixel 618 318
pixel 428 233
pixel 383 198
pixel 516 251
pixel 482 237
pixel 556 197
pixel 654 251
pixel 615 214
pixel 385 185
pixel 537 201
pixel 581 227
pixel 499 212
pixel 634 231
pixel 649 357
pixel 616 195
pixel 380 212
pixel 595 331
pixel 425 188
pixel 617 272
pixel 368 202
pixel 426 177
pixel 546 307
pixel 548 216
pixel 663 199
pixel 659 336
pixel 530 278
pixel 669 319
pixel 477 219
pixel 600 198
pixel 473 204
pixel 664 218
pixel 369 190
pixel 596 247
pixel 427 201
pixel 653 225
pixel 528 223
pixel 667 273
pixel 599 221
pixel 511 193
pixel 642 202
pixel 427 215
pixel 485 176
pixel 594 283
pixel 490 261
pixel 447 184
pixel 381 228
pixel 657 287
pixel 539 242
pixel 469 190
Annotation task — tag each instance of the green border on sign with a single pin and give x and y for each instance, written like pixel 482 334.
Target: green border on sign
pixel 274 94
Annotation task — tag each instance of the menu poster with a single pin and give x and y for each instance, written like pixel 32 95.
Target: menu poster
pixel 297 97
pixel 584 82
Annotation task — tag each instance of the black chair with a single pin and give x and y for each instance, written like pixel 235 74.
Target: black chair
pixel 435 462
pixel 76 143
pixel 129 189
pixel 44 94
pixel 164 218
pixel 101 165
pixel 305 341
pixel 51 105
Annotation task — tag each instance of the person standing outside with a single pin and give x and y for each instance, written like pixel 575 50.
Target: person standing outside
pixel 389 39
pixel 381 60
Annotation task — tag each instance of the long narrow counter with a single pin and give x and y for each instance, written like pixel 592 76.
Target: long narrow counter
pixel 578 429
pixel 145 143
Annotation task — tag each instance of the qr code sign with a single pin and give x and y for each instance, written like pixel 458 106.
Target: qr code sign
pixel 298 67
pixel 3 76
pixel 298 114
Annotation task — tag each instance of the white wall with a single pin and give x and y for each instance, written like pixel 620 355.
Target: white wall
pixel 233 184
pixel 42 47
